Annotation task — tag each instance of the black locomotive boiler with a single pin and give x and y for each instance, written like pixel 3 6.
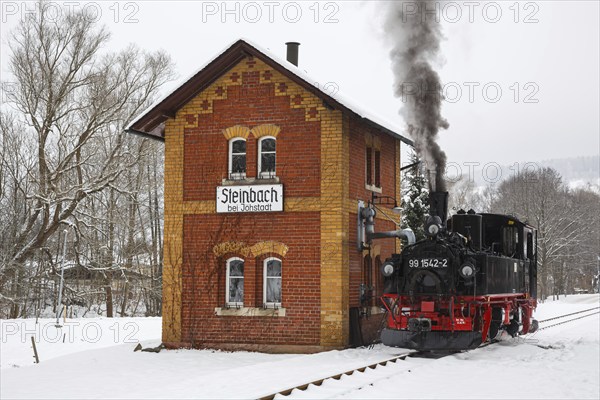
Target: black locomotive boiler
pixel 473 277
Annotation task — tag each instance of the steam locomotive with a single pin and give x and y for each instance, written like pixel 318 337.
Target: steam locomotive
pixel 472 278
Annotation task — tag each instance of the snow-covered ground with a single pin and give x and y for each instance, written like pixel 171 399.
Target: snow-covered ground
pixel 94 358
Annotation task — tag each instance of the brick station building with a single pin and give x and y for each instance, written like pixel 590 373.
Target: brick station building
pixel 264 172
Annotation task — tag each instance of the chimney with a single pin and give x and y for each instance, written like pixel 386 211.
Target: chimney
pixel 438 205
pixel 292 52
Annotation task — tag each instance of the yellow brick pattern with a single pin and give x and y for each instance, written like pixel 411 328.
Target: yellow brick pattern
pixel 375 251
pixel 299 97
pixel 290 204
pixel 232 247
pixel 265 130
pixel 373 141
pixel 376 143
pixel 236 131
pixel 203 102
pixel 269 246
pixel 334 230
pixel 255 250
pixel 173 231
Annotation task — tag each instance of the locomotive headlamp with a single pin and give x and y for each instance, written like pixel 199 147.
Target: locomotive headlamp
pixel 433 229
pixel 467 270
pixel 433 226
pixel 387 269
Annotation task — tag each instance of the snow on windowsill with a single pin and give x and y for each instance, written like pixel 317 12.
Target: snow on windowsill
pixel 373 188
pixel 250 312
pixel 250 181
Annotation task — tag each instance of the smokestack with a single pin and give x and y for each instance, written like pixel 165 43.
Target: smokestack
pixel 438 205
pixel 416 36
pixel 432 179
pixel 292 52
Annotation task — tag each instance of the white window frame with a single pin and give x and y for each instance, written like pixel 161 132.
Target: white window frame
pixel 369 166
pixel 271 304
pixel 376 168
pixel 230 173
pixel 228 265
pixel 266 174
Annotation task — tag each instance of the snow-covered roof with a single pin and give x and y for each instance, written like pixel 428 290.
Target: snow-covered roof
pixel 150 121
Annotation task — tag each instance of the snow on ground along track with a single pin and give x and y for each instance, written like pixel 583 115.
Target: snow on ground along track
pixel 514 368
pixel 558 363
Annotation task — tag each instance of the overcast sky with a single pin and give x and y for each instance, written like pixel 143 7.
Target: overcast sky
pixel 543 56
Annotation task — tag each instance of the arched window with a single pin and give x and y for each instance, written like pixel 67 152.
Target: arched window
pixel 272 282
pixel 377 168
pixel 237 158
pixel 369 165
pixel 267 157
pixel 373 167
pixel 234 290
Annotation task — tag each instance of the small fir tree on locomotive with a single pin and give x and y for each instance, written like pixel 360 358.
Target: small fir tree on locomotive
pixel 474 276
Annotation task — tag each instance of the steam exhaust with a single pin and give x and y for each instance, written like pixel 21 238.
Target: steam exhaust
pixel 415 31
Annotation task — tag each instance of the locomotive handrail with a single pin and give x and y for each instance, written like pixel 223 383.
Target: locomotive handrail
pixel 388 309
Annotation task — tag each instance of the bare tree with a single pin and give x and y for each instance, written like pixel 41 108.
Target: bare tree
pixel 70 102
pixel 564 221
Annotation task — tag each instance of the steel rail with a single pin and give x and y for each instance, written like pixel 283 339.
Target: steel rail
pixel 569 320
pixel 568 315
pixel 337 376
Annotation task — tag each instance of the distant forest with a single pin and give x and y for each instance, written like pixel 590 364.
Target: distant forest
pixel 578 171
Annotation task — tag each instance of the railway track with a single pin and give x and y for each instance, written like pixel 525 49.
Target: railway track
pixel 356 372
pixel 363 369
pixel 402 357
pixel 589 311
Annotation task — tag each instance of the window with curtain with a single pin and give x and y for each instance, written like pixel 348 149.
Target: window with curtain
pixel 267 157
pixel 237 158
pixel 234 291
pixel 272 282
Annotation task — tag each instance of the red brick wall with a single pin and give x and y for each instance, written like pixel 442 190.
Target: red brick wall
pixel 251 104
pixel 389 165
pixel 204 279
pixel 389 161
pixel 298 168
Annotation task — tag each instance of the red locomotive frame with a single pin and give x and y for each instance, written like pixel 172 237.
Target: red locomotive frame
pixel 469 313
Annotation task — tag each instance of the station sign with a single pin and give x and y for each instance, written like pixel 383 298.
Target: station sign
pixel 249 198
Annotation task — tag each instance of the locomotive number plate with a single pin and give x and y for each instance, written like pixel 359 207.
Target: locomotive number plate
pixel 428 263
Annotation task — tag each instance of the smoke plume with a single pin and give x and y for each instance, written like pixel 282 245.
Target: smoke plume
pixel 415 31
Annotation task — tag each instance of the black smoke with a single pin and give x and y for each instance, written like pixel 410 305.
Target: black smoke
pixel 414 29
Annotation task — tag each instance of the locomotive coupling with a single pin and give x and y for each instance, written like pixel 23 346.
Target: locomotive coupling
pixel 419 324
